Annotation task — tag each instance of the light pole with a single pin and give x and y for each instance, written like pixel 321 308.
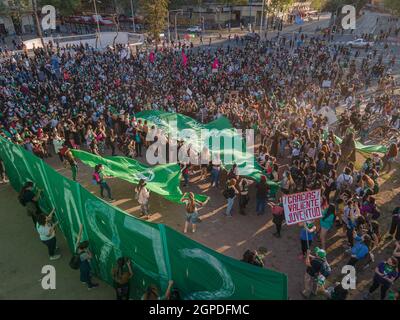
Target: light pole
pixel 251 6
pixel 97 21
pixel 133 17
pixel 176 24
pixel 262 19
pixel 169 31
pixel 38 27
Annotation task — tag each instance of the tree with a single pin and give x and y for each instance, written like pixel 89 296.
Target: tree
pixel 393 5
pixel 318 4
pixel 156 12
pixel 63 7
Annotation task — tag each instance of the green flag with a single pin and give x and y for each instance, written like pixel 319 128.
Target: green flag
pixel 161 179
pixel 231 147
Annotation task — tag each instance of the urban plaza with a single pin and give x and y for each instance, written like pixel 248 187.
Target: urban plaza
pixel 199 150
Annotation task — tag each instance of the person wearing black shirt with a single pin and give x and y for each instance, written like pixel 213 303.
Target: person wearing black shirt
pixel 395 226
pixel 317 269
pixel 30 200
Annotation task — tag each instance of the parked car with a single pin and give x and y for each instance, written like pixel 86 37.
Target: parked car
pixel 252 36
pixel 194 29
pixel 359 43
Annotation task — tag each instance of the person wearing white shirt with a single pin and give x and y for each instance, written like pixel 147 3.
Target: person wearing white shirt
pixel 215 171
pixel 142 196
pixel 47 234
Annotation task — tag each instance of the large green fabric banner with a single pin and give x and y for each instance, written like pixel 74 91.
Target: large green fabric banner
pixel 367 149
pixel 162 179
pixel 158 252
pixel 231 147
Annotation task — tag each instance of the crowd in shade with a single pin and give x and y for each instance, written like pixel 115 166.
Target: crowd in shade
pixel 299 95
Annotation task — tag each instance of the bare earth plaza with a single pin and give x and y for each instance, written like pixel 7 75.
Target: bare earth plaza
pixel 199 150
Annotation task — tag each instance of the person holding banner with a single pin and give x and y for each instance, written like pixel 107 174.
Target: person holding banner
pixel 307 235
pixel 47 233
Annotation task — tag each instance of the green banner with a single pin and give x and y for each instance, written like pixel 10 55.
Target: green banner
pixel 158 252
pixel 218 129
pixel 367 149
pixel 161 179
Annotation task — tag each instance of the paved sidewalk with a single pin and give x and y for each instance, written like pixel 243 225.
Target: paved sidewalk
pixel 22 257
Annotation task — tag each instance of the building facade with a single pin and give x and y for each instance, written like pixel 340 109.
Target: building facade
pixel 15 19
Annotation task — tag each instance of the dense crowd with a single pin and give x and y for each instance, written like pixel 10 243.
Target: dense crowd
pixel 291 91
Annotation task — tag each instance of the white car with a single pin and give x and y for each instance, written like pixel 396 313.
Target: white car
pixel 194 29
pixel 359 43
pixel 102 21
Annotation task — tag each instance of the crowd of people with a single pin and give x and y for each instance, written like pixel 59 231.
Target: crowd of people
pixel 78 97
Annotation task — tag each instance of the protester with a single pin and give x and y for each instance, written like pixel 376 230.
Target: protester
pixel 85 269
pixel 30 200
pixel 192 216
pixel 395 224
pixel 278 217
pixel 152 292
pixel 326 223
pixel 143 196
pixel 121 274
pixel 230 194
pixel 244 197
pixel 385 274
pixel 99 178
pixel 307 235
pixel 261 195
pixel 317 271
pixel 47 233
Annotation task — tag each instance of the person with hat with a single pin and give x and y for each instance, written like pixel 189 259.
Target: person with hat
pixel 318 269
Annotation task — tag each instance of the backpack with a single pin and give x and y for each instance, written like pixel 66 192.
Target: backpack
pixel 75 261
pixel 96 178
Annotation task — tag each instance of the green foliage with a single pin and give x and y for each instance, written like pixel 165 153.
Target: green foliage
pixel 393 5
pixel 318 4
pixel 63 7
pixel 333 5
pixel 280 5
pixel 156 12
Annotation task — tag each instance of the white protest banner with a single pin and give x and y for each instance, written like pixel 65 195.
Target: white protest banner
pixel 329 114
pixel 326 84
pixel 189 92
pixel 303 206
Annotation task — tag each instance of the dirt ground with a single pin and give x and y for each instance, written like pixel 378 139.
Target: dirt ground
pixel 22 257
pixel 232 236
